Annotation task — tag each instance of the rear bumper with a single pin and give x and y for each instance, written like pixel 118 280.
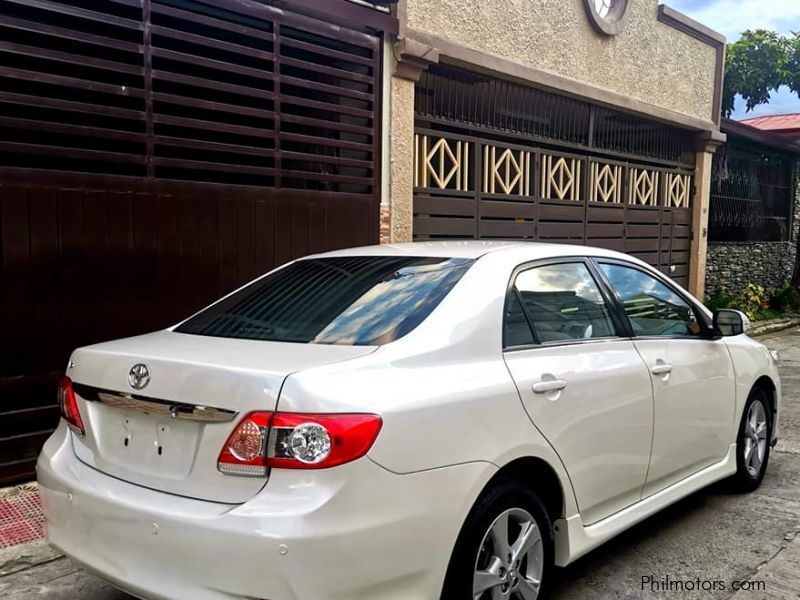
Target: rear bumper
pixel 356 531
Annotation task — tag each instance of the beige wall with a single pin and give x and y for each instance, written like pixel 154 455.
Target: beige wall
pixel 401 176
pixel 700 206
pixel 649 61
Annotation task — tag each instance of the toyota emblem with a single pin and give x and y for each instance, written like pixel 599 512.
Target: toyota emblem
pixel 139 376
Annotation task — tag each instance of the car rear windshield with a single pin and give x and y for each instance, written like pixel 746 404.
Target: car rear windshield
pixel 354 300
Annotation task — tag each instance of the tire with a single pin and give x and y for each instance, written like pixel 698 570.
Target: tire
pixel 753 448
pixel 475 550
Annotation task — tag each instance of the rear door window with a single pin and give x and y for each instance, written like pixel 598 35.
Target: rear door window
pixel 562 303
pixel 516 328
pixel 354 300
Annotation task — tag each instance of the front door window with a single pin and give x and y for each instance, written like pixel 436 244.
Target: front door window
pixel 652 308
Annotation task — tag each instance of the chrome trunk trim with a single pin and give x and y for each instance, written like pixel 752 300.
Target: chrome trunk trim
pixel 153 406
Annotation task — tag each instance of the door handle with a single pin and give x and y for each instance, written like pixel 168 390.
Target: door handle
pixel 549 385
pixel 661 369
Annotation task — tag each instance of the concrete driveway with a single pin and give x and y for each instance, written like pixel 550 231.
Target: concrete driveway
pixel 701 547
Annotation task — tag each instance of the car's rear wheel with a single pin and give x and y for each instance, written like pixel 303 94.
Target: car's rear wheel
pixel 753 442
pixel 504 551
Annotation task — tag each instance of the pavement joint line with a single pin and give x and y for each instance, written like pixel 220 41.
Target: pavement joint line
pixel 772 574
pixel 788 538
pixel 56 578
pixel 780 499
pixel 774 497
pixel 27 567
pixel 780 549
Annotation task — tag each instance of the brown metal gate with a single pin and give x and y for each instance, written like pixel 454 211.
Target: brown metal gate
pixel 498 160
pixel 154 154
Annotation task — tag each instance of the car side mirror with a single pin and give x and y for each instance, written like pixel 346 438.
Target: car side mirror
pixel 728 322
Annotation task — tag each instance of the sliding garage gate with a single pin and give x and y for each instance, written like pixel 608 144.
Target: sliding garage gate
pixel 155 154
pixel 498 160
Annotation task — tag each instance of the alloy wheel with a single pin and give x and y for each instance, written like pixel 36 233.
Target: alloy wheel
pixel 510 560
pixel 755 438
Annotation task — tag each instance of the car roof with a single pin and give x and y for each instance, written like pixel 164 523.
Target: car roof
pixel 474 249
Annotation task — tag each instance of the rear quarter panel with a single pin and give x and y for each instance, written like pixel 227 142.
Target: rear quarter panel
pixel 434 416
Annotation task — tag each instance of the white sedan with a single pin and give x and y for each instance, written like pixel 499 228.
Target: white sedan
pixel 405 422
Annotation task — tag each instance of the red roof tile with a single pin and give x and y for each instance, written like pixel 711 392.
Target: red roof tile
pixel 774 122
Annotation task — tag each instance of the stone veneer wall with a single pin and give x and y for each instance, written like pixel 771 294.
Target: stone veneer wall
pixel 732 265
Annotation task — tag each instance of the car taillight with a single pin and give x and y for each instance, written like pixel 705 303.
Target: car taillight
pixel 68 405
pixel 297 441
pixel 310 441
pixel 244 452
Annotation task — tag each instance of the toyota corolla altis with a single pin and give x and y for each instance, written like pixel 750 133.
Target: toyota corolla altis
pixel 405 422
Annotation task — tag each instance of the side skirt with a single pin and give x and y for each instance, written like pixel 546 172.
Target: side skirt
pixel 573 539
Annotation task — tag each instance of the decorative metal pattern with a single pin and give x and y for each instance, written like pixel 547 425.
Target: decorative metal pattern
pixel 506 171
pixel 751 194
pixel 561 177
pixel 441 163
pixel 452 96
pixel 643 187
pixel 568 198
pixel 606 183
pixel 678 190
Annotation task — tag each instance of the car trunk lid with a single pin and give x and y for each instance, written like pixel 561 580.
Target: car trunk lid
pixel 168 434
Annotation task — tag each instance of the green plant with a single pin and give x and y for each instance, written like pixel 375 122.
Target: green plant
pixel 751 301
pixel 768 313
pixel 784 298
pixel 757 64
pixel 719 300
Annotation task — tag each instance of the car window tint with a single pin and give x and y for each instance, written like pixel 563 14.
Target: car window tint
pixel 516 330
pixel 564 303
pixel 652 308
pixel 354 300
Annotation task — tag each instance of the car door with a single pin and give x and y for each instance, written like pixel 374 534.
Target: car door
pixel 691 372
pixel 584 387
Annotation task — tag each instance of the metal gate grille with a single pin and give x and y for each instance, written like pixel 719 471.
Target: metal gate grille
pixel 155 154
pixel 751 194
pixel 497 160
pixel 450 95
